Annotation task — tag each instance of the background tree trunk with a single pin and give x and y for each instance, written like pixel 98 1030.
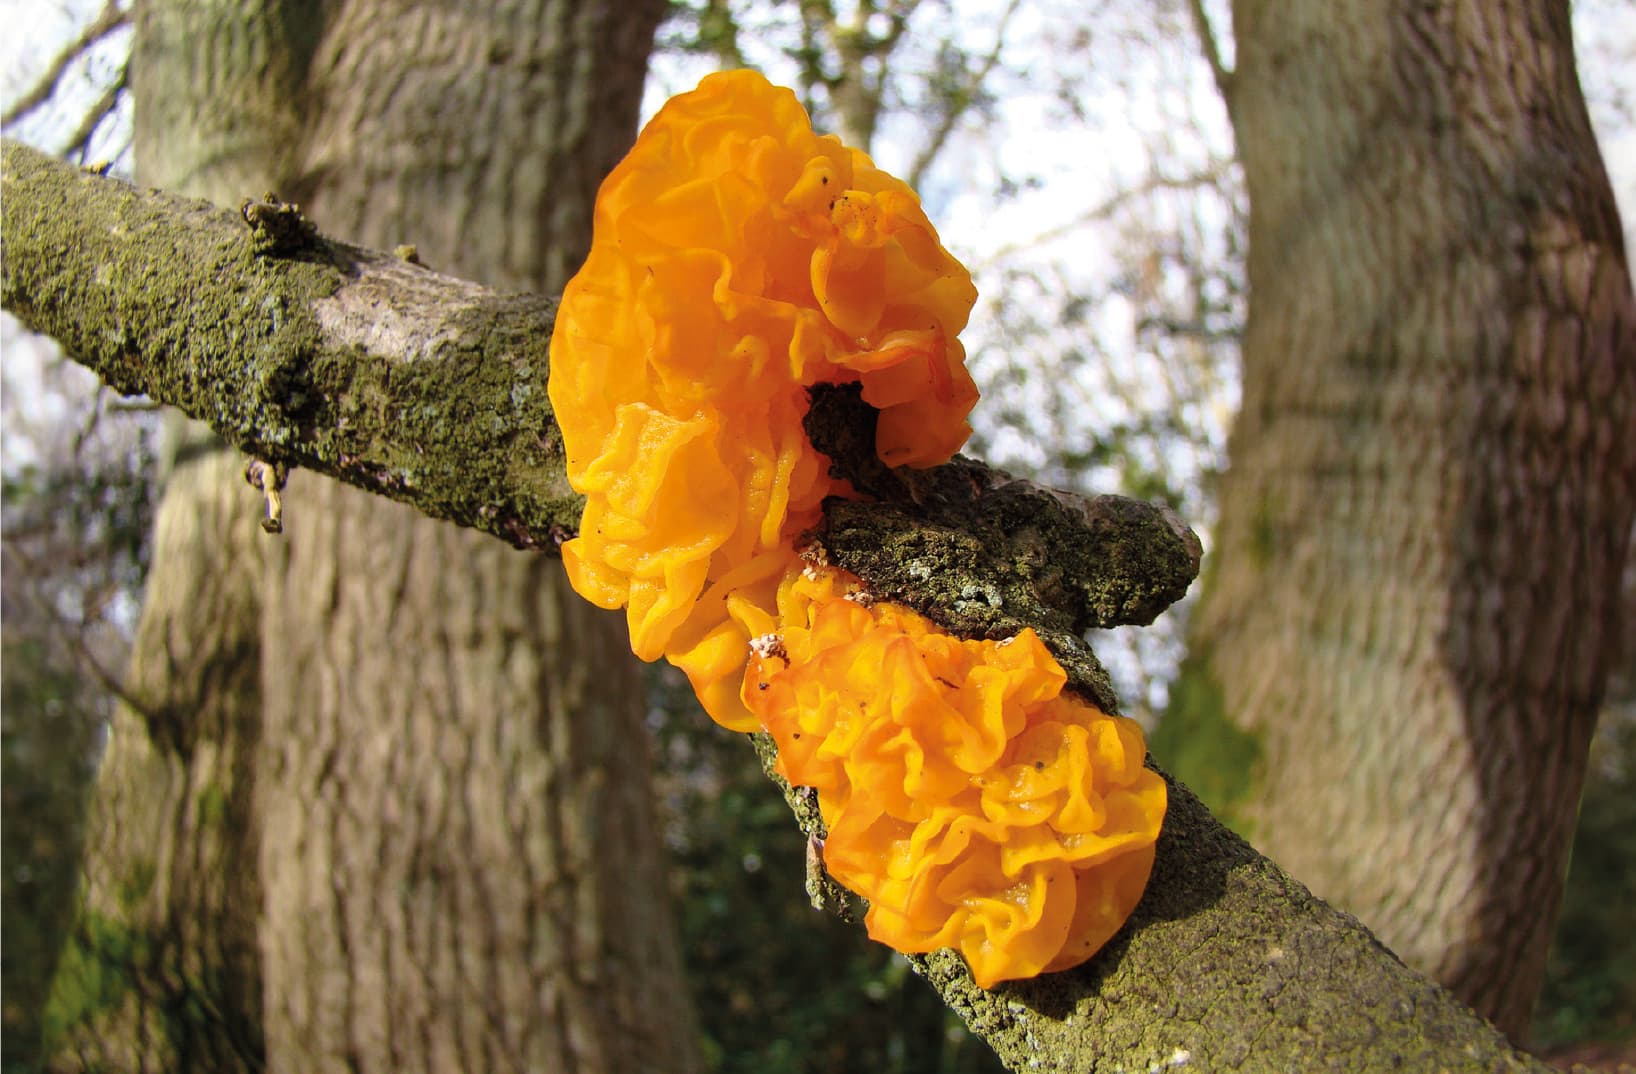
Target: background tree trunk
pixel 1414 599
pixel 161 971
pixel 443 824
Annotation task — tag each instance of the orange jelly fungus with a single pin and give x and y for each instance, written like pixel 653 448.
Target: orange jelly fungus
pixel 973 803
pixel 738 259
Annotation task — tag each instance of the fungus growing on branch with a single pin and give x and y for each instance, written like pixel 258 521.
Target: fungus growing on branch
pixel 738 260
pixel 967 797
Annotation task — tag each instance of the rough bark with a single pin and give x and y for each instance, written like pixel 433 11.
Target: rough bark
pixel 450 848
pixel 1228 963
pixel 467 875
pixel 1414 600
pixel 274 343
pixel 162 971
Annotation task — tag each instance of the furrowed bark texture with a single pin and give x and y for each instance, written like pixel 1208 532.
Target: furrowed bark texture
pixel 471 874
pixel 162 970
pixel 1415 596
pixel 450 849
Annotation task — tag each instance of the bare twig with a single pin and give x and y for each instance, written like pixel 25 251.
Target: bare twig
pixel 1206 176
pixel 953 114
pixel 1212 52
pixel 72 635
pixel 89 427
pixel 80 141
pixel 112 17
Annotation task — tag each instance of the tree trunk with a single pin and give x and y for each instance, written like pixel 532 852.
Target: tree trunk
pixel 1414 599
pixel 161 971
pixel 444 752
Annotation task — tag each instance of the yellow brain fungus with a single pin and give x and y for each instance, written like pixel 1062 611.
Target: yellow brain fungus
pixel 972 802
pixel 738 259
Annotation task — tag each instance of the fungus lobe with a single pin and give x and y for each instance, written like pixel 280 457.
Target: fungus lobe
pixel 739 258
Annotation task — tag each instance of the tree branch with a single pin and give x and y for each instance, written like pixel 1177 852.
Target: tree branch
pixel 1210 175
pixel 1212 52
pixel 111 18
pixel 432 391
pixel 349 363
pixel 79 143
pixel 957 107
pixel 72 636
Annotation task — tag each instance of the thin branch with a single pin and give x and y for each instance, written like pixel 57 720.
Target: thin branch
pixel 72 635
pixel 1212 52
pixel 112 17
pixel 80 141
pixel 1207 176
pixel 952 115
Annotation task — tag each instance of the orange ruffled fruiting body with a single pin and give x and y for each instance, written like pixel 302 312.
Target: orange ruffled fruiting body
pixel 972 802
pixel 739 258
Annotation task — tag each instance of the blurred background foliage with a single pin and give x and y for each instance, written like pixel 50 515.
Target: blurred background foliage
pixel 76 496
pixel 1111 274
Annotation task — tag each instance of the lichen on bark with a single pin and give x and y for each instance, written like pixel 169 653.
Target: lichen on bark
pixel 331 358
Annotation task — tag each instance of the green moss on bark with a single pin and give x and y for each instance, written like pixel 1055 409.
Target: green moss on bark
pixel 446 408
pixel 97 970
pixel 1197 741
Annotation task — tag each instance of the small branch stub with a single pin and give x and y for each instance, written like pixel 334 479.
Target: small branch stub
pixel 277 228
pixel 268 478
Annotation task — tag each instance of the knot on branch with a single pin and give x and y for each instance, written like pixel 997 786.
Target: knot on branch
pixel 277 228
pixel 986 554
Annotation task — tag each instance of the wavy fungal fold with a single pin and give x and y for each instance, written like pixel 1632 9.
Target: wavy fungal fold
pixel 739 258
pixel 973 802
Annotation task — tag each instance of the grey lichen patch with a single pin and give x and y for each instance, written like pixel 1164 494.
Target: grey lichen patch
pixel 986 555
pixel 964 582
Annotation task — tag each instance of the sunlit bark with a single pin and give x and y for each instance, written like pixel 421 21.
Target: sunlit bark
pixel 1414 603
